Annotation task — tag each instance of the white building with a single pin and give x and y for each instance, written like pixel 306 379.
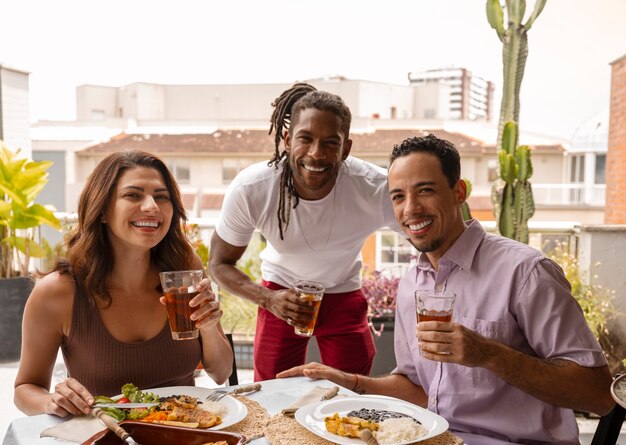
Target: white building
pixel 151 116
pixel 453 93
pixel 14 109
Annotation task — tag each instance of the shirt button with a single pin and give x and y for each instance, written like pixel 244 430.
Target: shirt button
pixel 431 401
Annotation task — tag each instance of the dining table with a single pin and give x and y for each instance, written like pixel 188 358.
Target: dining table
pixel 274 396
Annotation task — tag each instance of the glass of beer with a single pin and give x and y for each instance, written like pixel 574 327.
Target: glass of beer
pixel 309 291
pixel 434 305
pixel 179 287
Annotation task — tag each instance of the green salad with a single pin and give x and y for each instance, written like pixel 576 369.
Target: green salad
pixel 130 394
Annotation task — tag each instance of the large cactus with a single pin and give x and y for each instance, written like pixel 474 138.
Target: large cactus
pixel 512 200
pixel 516 198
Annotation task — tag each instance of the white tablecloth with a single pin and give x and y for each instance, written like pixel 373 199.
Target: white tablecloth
pixel 274 396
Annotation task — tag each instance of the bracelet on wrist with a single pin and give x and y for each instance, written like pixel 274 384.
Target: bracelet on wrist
pixel 357 388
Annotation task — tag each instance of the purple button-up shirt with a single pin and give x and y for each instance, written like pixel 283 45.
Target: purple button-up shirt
pixel 511 293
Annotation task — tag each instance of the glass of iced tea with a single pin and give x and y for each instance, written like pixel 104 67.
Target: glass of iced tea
pixel 309 291
pixel 434 305
pixel 179 287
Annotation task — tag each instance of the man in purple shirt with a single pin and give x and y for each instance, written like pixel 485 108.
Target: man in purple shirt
pixel 518 356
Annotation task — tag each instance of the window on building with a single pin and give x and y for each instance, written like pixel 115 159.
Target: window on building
pixel 393 112
pixel 231 167
pixel 577 169
pixel 393 250
pixel 600 169
pixel 180 169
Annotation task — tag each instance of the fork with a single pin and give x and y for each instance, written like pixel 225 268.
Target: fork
pixel 219 394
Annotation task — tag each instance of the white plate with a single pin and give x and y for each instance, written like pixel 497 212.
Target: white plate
pixel 312 416
pixel 237 411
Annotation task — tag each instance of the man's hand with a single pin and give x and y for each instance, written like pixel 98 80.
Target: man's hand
pixel 452 343
pixel 285 305
pixel 559 382
pixel 318 371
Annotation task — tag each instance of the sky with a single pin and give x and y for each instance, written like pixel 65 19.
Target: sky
pixel 66 43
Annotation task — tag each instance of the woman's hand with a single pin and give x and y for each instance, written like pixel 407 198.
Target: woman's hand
pixel 69 397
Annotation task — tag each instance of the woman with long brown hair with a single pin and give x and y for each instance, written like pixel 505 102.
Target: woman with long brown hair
pixel 102 304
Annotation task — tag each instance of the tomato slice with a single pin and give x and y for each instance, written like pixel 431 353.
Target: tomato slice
pixel 123 400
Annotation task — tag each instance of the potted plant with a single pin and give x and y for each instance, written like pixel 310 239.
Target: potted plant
pixel 21 180
pixel 380 290
pixel 597 304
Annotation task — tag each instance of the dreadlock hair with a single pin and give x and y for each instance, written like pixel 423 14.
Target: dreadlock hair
pixel 287 107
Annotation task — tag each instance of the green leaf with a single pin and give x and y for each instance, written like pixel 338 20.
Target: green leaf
pixel 43 215
pixel 20 243
pixel 517 9
pixel 507 221
pixel 14 195
pixel 495 17
pixel 508 168
pixel 509 137
pixel 524 163
pixel 539 5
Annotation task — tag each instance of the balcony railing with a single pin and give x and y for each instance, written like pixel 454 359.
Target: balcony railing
pixel 569 194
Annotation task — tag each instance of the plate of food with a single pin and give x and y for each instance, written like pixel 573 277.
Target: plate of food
pixel 391 421
pixel 184 406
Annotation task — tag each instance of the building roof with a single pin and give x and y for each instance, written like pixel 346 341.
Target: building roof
pixel 219 141
pixel 377 142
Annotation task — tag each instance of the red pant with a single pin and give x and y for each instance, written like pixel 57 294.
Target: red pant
pixel 343 337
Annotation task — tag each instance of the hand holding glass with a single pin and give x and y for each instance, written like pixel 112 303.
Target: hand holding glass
pixel 434 305
pixel 309 291
pixel 179 287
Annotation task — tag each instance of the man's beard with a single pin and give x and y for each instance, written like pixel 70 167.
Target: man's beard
pixel 433 245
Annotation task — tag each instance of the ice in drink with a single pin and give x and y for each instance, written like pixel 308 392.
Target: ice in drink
pixel 309 291
pixel 307 331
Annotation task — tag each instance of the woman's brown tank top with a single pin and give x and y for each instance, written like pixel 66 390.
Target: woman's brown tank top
pixel 103 364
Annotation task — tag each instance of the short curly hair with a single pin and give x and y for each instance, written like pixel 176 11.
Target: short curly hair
pixel 444 150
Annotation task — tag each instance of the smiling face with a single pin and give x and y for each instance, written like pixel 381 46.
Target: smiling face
pixel 424 204
pixel 140 211
pixel 317 146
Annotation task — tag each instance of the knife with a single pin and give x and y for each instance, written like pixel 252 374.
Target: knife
pixel 126 405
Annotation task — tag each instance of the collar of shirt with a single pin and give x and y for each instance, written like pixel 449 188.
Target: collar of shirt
pixel 463 250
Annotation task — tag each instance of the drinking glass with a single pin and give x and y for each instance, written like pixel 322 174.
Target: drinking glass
pixel 179 287
pixel 309 291
pixel 434 305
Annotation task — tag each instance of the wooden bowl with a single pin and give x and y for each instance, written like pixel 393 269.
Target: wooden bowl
pixel 154 434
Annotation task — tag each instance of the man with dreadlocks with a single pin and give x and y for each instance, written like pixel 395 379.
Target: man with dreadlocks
pixel 315 206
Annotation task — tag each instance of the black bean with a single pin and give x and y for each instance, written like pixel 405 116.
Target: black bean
pixel 378 415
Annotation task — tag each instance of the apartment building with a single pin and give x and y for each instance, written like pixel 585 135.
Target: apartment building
pixel 463 95
pixel 14 121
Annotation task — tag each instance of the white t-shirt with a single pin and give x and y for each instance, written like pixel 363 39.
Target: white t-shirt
pixel 324 238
